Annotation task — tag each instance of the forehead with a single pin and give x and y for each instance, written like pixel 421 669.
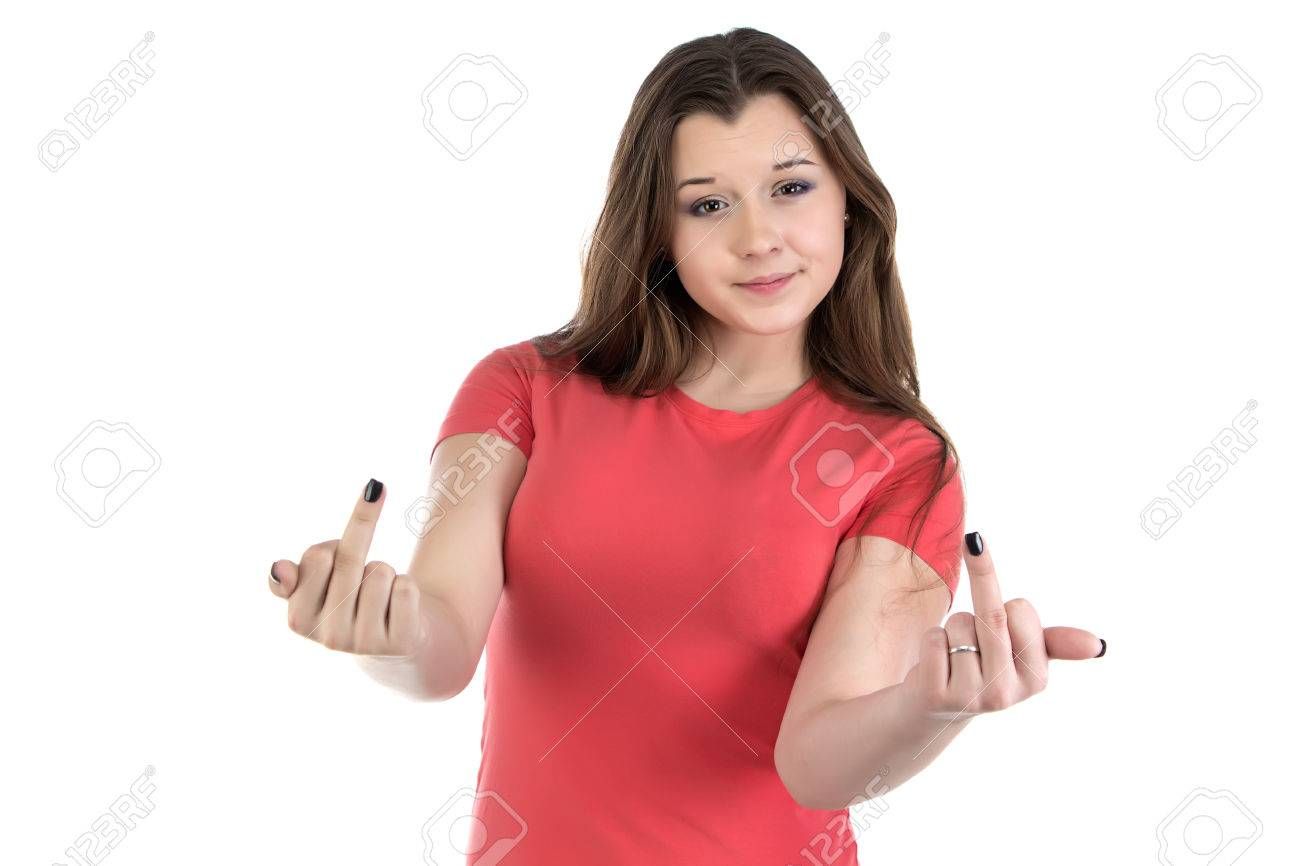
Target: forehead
pixel 705 144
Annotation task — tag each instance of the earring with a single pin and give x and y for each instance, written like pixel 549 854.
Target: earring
pixel 846 216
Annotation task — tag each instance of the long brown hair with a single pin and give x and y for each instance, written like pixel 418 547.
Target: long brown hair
pixel 632 326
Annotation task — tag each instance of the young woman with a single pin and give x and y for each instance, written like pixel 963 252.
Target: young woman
pixel 710 521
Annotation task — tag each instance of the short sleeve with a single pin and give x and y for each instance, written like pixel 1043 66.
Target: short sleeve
pixel 496 397
pixel 888 508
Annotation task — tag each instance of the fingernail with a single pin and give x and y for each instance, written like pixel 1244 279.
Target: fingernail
pixel 273 577
pixel 974 543
pixel 373 489
pixel 1103 648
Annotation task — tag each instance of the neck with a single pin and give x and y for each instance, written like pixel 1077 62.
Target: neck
pixel 754 364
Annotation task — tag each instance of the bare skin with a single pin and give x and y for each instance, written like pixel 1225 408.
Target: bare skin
pixel 750 221
pixel 407 639
pixel 871 665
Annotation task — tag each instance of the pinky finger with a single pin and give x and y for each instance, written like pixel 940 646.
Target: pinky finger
pixel 283 578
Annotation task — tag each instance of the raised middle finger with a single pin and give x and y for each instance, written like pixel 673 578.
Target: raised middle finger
pixel 990 613
pixel 351 554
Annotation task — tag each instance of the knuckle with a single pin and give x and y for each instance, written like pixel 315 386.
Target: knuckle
pixel 961 619
pixel 376 568
pixel 336 641
pixel 367 643
pixel 405 588
pixel 345 559
pixel 1019 607
pixel 998 698
pixel 995 618
pixel 299 620
pixel 318 557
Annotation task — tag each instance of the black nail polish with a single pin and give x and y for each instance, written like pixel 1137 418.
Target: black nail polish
pixel 1103 648
pixel 974 543
pixel 273 577
pixel 373 489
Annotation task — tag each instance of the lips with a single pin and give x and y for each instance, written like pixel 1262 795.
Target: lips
pixel 766 280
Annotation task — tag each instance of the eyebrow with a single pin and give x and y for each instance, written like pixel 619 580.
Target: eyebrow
pixel 780 166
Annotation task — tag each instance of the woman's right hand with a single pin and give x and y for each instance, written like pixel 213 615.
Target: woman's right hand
pixel 337 601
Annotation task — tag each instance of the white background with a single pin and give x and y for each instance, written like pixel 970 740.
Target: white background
pixel 267 266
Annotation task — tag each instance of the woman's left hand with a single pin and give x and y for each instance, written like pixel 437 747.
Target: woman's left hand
pixel 1014 648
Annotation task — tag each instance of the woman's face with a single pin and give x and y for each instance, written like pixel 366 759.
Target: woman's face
pixel 737 218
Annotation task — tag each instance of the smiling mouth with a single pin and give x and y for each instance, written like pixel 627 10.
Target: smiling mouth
pixel 770 285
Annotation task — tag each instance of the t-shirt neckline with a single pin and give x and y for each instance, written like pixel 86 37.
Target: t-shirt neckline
pixel 695 408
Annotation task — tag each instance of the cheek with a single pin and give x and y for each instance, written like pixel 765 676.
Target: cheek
pixel 817 241
pixel 700 256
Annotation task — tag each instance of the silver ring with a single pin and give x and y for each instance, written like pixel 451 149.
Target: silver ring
pixel 964 648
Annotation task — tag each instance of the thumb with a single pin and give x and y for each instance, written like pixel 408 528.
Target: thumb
pixel 1066 642
pixel 283 577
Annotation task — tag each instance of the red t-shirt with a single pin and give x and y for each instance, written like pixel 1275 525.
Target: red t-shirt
pixel 664 564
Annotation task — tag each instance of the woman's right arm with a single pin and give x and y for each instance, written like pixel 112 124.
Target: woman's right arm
pixel 421 633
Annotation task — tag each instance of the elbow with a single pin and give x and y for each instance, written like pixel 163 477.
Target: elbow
pixel 445 693
pixel 440 686
pixel 792 768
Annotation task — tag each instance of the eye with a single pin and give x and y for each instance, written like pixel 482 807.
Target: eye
pixel 800 187
pixel 695 209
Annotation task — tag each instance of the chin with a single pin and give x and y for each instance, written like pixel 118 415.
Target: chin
pixel 769 322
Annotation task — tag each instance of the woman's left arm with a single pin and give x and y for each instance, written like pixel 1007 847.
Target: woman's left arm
pixel 878 695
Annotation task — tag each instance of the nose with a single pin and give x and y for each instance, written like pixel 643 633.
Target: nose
pixel 754 231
